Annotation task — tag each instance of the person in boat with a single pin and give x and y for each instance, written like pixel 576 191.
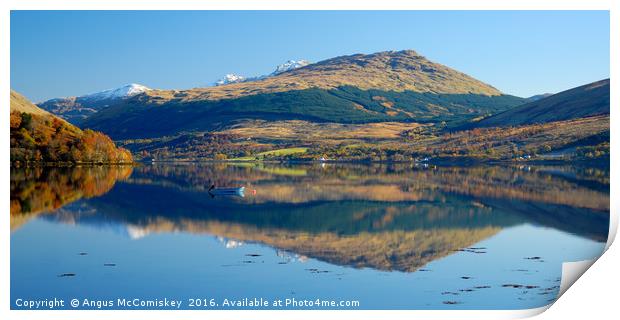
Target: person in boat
pixel 212 187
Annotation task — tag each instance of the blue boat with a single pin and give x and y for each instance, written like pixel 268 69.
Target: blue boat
pixel 228 191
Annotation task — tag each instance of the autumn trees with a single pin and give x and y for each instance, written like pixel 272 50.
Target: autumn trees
pixel 44 139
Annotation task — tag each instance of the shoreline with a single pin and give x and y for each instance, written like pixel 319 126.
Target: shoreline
pixel 446 162
pixel 437 161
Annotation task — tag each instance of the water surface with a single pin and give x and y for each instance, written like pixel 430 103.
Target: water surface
pixel 388 236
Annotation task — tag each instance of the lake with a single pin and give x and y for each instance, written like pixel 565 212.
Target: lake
pixel 375 236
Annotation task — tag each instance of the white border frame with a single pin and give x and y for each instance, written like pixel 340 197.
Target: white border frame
pixel 577 298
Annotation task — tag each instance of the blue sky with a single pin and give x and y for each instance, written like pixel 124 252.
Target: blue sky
pixel 60 53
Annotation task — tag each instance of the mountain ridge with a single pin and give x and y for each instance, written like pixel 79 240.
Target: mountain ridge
pixel 583 101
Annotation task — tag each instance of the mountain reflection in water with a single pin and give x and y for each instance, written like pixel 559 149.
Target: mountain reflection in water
pixel 384 217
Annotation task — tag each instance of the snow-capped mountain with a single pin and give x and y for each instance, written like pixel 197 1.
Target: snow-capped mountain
pixel 230 78
pixel 76 109
pixel 125 91
pixel 290 65
pixel 287 66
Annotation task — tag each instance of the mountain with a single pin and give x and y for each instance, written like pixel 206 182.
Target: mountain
pixel 538 97
pixel 40 137
pixel 584 101
pixel 384 86
pixel 389 70
pixel 118 93
pixel 76 109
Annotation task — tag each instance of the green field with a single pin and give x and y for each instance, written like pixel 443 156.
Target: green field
pixel 273 153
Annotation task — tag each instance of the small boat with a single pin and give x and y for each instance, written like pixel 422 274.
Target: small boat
pixel 227 191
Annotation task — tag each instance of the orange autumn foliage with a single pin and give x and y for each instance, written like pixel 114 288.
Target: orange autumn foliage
pixel 41 138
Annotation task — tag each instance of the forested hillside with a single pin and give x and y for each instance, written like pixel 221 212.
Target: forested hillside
pixel 40 137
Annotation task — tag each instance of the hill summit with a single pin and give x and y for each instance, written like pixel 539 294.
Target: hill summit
pixel 388 70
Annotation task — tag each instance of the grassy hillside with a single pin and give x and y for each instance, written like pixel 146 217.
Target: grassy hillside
pixel 141 117
pixel 588 100
pixel 19 103
pixel 534 139
pixel 567 140
pixel 582 138
pixel 40 137
pixel 293 130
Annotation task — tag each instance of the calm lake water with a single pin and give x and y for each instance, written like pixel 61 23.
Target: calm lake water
pixel 388 236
